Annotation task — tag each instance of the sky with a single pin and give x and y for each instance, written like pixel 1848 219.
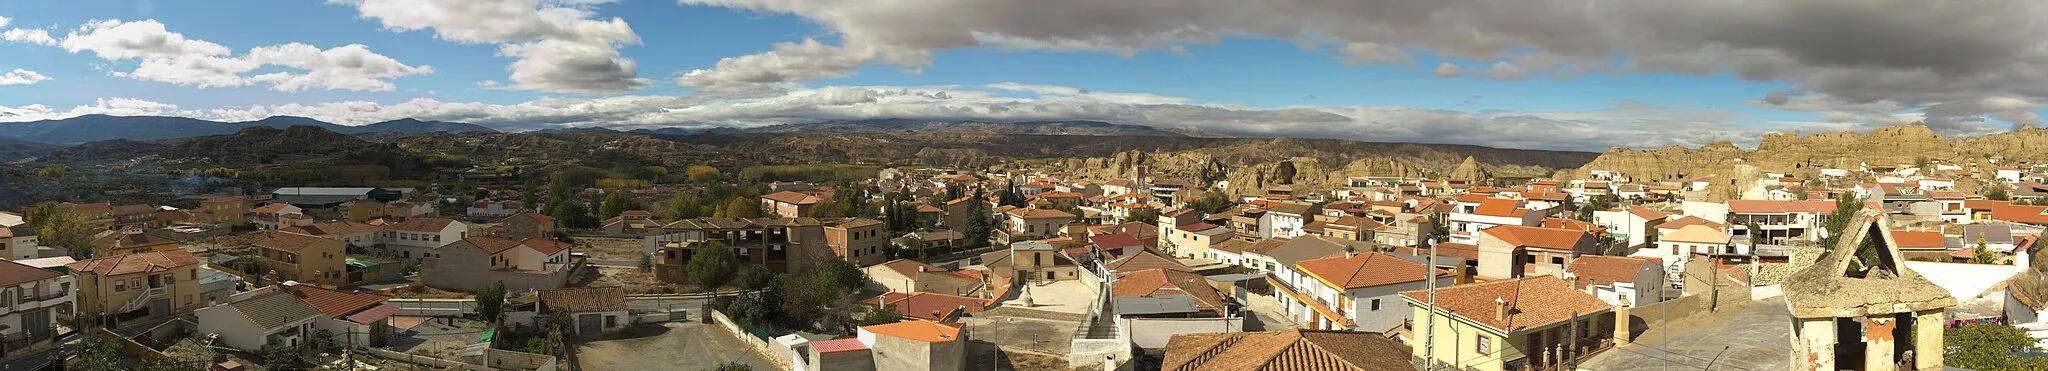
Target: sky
pixel 1581 75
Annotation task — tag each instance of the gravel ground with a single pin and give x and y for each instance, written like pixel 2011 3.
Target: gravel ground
pixel 669 346
pixel 1755 336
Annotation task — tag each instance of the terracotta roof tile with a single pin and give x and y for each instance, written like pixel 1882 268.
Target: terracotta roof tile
pixel 337 303
pixel 1290 350
pixel 918 330
pixel 791 198
pixel 1558 239
pixel 137 262
pixel 1920 239
pixel 288 241
pixel 1500 207
pixel 1602 269
pixel 1147 260
pixel 1160 281
pixel 1366 270
pixel 428 225
pixel 12 273
pixel 1532 302
pixel 1689 220
pixel 583 299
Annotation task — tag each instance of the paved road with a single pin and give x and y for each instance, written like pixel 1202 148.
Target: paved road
pixel 613 263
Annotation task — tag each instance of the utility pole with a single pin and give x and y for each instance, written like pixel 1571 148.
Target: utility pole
pixel 1429 325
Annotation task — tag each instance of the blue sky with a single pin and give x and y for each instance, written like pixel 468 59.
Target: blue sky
pixel 1229 75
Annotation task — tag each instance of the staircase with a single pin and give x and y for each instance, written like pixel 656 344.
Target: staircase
pixel 141 300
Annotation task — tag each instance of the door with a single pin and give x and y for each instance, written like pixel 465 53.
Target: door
pixel 589 324
pixel 36 324
pixel 160 308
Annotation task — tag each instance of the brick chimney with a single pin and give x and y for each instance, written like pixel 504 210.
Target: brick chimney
pixel 1500 310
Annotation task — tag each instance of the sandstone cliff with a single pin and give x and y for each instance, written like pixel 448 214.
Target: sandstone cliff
pixel 1805 155
pixel 1470 170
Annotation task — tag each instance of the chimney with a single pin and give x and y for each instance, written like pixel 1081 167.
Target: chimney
pixel 1500 309
pixel 1350 252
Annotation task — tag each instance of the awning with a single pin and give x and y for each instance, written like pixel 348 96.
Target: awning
pixel 372 315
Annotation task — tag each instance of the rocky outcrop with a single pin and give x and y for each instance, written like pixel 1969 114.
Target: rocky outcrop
pixel 1805 155
pixel 1244 177
pixel 1469 170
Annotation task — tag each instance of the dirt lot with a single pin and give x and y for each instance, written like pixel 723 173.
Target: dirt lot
pixel 986 356
pixel 636 282
pixel 611 248
pixel 669 346
pixel 424 292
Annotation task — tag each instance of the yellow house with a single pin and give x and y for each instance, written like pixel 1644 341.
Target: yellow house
pixel 1519 324
pixel 130 242
pixel 304 258
pixel 364 210
pixel 153 284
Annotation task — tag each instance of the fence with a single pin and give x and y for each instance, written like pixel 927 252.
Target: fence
pixel 756 339
pixel 416 359
pixel 434 307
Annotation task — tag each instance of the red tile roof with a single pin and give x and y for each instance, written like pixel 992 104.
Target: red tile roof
pixel 491 244
pixel 288 241
pixel 545 246
pixel 1689 220
pixel 135 263
pixel 12 273
pixel 1645 213
pixel 1500 207
pixel 930 306
pixel 1532 302
pixel 838 345
pixel 1160 281
pixel 340 304
pixel 1114 241
pixel 1290 350
pixel 1601 269
pixel 1919 239
pixel 1559 239
pixel 791 198
pixel 428 225
pixel 918 330
pixel 1366 270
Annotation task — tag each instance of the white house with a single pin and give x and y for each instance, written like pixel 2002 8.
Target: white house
pixel 1619 280
pixel 488 209
pixel 1777 221
pixel 19 243
pixel 38 298
pixel 2010 174
pixel 1635 225
pixel 1285 219
pixel 421 237
pixel 534 253
pixel 1474 213
pixel 1361 291
pixel 257 320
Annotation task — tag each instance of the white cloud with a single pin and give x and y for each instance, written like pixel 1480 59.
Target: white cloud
pixel 1627 124
pixel 1447 69
pixel 22 77
pixel 559 45
pixel 1859 51
pixel 170 57
pixel 28 35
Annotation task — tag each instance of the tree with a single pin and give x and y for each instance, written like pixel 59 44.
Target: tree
pixel 879 316
pixel 712 266
pixel 1212 202
pixel 528 195
pixel 285 359
pixel 490 302
pixel 1144 215
pixel 1595 203
pixel 701 173
pixel 646 262
pixel 978 229
pixel 1846 208
pixel 756 277
pixel 739 207
pixel 1982 254
pixel 838 277
pixel 617 202
pixel 733 366
pixel 571 214
pixel 685 205
pixel 59 227
pixel 1010 196
pixel 1997 193
pixel 1990 347
pixel 98 353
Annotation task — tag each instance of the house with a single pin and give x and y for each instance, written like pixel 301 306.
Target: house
pixel 96 215
pixel 493 209
pixel 273 216
pixel 356 319
pixel 1294 288
pixel 857 240
pixel 1153 305
pixel 130 241
pixel 903 275
pixel 930 306
pixel 928 215
pixel 1512 251
pixel 361 211
pixel 333 197
pixel 927 240
pixel 134 214
pixel 1025 224
pixel 1776 220
pixel 225 210
pixel 1473 213
pixel 404 210
pixel 1297 349
pixel 1930 245
pixel 1681 245
pixel 38 299
pixel 1144 260
pixel 1231 252
pixel 1997 238
pixel 956 213
pixel 595 311
pixel 474 263
pixel 780 244
pixel 1513 324
pixel 1193 240
pixel 420 237
pixel 1619 280
pixel 788 204
pixel 634 223
pixel 1031 260
pixel 302 258
pixel 838 355
pixel 1117 244
pixel 1285 219
pixel 1361 291
pixel 260 320
pixel 1352 227
pixel 1633 226
pixel 527 225
pixel 917 345
pixel 20 243
pixel 165 283
pixel 359 235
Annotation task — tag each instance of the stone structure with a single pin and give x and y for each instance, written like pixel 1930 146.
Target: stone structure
pixel 1865 315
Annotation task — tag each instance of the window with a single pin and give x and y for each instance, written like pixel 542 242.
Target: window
pixel 121 285
pixel 611 321
pixel 1484 346
pixel 1375 304
pixel 194 272
pixel 188 299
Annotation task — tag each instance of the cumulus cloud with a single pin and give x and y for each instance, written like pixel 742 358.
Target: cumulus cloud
pixel 25 35
pixel 1627 124
pixel 1857 51
pixel 170 57
pixel 22 77
pixel 558 45
pixel 1447 70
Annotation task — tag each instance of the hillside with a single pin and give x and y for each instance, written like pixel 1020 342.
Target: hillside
pixel 89 128
pixel 1075 128
pixel 1805 155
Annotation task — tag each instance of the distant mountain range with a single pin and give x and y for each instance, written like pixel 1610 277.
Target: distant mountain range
pixel 903 126
pixel 90 128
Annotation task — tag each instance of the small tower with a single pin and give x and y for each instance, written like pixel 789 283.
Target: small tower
pixel 1849 313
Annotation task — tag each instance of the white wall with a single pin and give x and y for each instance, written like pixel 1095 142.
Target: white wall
pixel 1152 333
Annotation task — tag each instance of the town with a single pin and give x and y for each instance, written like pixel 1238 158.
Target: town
pixel 1879 266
